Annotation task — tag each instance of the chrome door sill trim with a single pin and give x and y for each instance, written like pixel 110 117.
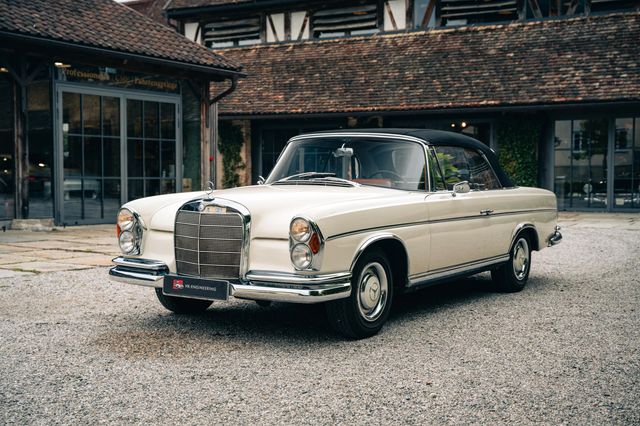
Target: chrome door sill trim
pixel 419 279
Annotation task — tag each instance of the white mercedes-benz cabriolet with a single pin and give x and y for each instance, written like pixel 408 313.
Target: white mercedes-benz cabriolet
pixel 346 218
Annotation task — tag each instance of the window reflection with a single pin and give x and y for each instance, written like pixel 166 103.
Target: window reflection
pixel 582 164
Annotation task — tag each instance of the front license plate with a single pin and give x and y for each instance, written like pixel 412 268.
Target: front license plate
pixel 195 288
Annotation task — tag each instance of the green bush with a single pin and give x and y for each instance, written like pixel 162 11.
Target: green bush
pixel 518 150
pixel 230 142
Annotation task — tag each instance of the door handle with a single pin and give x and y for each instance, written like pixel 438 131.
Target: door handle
pixel 486 212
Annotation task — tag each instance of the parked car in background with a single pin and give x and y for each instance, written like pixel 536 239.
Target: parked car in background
pixel 346 218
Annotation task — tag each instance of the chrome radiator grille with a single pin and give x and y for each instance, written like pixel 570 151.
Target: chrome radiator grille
pixel 208 244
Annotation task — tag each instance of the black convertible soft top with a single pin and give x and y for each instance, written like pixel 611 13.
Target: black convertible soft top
pixel 439 138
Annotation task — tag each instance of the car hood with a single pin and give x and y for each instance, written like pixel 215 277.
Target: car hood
pixel 273 206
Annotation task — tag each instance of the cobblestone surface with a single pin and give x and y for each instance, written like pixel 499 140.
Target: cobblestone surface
pixel 77 348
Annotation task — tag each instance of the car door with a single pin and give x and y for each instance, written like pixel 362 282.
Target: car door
pixel 463 232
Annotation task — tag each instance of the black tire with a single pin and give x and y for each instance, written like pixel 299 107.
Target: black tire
pixel 359 316
pixel 180 305
pixel 513 275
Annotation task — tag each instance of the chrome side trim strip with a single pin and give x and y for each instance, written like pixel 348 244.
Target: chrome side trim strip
pixel 296 279
pixel 376 228
pixel 138 263
pixel 427 222
pixel 455 270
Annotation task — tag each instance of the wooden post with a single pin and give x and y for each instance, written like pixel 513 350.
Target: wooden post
pixel 214 144
pixel 205 137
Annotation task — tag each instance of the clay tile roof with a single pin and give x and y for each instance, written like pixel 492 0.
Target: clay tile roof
pixel 104 24
pixel 544 62
pixel 186 4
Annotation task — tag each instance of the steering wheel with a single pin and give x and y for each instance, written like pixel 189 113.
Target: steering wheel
pixel 389 173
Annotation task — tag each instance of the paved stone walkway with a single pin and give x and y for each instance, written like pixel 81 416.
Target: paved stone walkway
pixel 63 249
pixel 85 247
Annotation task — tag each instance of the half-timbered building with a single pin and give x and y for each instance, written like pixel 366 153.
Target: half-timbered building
pixel 552 85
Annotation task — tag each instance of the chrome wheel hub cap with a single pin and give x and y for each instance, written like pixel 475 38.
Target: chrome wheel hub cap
pixel 372 291
pixel 521 258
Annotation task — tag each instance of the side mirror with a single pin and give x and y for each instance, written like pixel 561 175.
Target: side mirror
pixel 461 188
pixel 261 180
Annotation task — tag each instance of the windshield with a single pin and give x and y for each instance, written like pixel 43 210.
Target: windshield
pixel 368 161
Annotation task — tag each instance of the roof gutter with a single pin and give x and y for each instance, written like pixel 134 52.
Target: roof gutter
pixel 203 69
pixel 436 111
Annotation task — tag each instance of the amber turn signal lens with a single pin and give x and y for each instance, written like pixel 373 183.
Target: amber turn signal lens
pixel 314 243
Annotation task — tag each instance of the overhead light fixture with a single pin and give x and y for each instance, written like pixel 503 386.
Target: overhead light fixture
pixel 61 65
pixel 463 124
pixel 3 69
pixel 41 164
pixel 453 124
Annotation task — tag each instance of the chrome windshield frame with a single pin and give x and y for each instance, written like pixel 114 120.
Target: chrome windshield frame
pixel 424 146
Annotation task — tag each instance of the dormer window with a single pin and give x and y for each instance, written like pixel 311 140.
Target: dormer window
pixel 232 32
pixel 344 21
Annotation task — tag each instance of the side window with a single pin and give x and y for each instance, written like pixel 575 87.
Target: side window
pixel 437 180
pixel 459 164
pixel 481 176
pixel 453 164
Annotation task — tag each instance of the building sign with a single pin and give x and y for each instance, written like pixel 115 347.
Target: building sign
pixel 116 78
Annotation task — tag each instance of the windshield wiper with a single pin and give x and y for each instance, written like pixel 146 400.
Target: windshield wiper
pixel 308 175
pixel 317 177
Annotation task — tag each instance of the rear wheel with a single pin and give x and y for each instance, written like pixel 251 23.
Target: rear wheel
pixel 513 275
pixel 180 305
pixel 366 310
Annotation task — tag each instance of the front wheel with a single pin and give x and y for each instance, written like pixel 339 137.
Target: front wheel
pixel 513 275
pixel 366 310
pixel 180 305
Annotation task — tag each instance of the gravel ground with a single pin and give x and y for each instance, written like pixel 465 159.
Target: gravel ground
pixel 77 348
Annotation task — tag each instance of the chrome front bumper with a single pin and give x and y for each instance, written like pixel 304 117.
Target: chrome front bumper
pixel 274 286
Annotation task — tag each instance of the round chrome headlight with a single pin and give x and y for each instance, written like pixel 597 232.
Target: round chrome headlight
pixel 127 242
pixel 300 230
pixel 301 256
pixel 126 219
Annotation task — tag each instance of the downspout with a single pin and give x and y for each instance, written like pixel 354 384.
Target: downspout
pixel 212 123
pixel 226 92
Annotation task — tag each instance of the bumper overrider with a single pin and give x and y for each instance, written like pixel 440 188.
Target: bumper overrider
pixel 273 286
pixel 554 238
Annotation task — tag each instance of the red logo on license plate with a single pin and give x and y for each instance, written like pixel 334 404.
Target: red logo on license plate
pixel 177 284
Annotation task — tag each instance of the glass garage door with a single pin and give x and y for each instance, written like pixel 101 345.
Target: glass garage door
pixel 151 148
pixel 114 149
pixel 91 157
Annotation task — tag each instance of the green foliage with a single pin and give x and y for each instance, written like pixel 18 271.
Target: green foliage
pixel 517 150
pixel 448 169
pixel 230 142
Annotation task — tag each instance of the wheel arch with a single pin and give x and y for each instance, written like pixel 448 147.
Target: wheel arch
pixel 396 252
pixel 528 229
